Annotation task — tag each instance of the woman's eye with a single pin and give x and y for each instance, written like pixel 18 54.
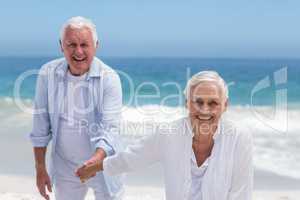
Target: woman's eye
pixel 213 103
pixel 200 103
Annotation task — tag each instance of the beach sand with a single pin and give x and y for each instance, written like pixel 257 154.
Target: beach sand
pixel 23 188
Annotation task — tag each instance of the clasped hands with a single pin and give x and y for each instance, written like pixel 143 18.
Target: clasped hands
pixel 91 166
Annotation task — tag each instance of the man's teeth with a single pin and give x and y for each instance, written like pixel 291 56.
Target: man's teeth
pixel 79 59
pixel 204 118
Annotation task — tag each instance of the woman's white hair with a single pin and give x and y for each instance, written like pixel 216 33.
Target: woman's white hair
pixel 206 76
pixel 79 23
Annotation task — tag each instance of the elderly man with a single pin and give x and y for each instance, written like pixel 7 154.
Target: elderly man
pixel 78 105
pixel 204 156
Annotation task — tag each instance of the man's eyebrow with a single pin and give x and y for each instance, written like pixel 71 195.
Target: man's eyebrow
pixel 212 98
pixel 84 41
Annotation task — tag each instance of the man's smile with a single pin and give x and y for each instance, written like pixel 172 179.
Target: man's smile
pixel 78 59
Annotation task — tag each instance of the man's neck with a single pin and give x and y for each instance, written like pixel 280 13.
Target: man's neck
pixel 75 72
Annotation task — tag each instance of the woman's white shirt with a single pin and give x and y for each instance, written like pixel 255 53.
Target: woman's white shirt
pixel 227 174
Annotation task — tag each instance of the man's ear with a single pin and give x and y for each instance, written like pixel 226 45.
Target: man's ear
pixel 61 47
pixel 226 105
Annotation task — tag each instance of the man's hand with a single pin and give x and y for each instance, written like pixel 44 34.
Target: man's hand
pixel 43 181
pixel 91 166
pixel 42 177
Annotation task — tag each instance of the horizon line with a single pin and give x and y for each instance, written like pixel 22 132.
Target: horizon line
pixel 164 57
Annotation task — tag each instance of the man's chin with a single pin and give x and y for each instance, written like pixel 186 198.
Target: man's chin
pixel 80 67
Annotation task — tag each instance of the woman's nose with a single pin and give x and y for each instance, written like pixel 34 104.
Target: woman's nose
pixel 205 109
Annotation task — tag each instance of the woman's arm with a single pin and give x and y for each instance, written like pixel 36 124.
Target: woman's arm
pixel 242 180
pixel 136 156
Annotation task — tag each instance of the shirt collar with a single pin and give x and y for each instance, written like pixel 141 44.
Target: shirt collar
pixel 95 68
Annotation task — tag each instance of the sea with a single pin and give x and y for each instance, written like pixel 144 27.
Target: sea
pixel 264 94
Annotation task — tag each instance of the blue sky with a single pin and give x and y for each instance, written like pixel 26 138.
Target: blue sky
pixel 180 28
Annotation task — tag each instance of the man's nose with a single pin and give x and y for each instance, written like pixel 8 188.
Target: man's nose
pixel 79 50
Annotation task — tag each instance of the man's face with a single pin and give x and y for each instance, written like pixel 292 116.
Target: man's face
pixel 206 104
pixel 79 49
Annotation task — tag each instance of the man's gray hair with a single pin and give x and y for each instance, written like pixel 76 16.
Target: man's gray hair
pixel 79 23
pixel 206 76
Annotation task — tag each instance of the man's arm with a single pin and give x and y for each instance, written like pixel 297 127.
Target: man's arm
pixel 41 133
pixel 40 157
pixel 111 113
pixel 106 138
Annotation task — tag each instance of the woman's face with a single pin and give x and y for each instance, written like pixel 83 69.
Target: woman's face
pixel 206 104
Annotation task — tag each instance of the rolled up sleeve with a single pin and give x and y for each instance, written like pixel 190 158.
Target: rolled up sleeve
pixel 104 144
pixel 41 130
pixel 111 114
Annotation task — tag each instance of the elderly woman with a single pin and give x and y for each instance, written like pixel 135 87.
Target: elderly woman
pixel 204 156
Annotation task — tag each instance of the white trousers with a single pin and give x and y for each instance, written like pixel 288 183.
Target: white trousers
pixel 69 190
pixel 67 185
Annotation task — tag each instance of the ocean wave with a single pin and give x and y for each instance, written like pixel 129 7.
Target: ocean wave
pixel 276 143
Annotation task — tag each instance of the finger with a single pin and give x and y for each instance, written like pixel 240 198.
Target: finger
pixel 88 176
pixel 49 188
pixel 88 162
pixel 42 189
pixel 43 192
pixel 79 170
pixel 82 180
pixel 90 171
pixel 85 175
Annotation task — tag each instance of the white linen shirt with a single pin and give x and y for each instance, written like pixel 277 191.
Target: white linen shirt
pixel 229 175
pixel 197 173
pixel 104 95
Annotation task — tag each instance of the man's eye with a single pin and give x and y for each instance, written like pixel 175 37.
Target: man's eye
pixel 72 45
pixel 84 45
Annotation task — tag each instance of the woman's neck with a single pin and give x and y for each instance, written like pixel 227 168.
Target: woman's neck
pixel 203 142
